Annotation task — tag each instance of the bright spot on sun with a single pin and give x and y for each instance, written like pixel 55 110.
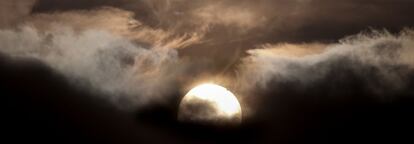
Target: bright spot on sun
pixel 214 102
pixel 224 100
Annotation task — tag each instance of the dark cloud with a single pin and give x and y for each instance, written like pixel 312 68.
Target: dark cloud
pixel 337 108
pixel 63 5
pixel 379 61
pixel 361 83
pixel 57 111
pixel 298 75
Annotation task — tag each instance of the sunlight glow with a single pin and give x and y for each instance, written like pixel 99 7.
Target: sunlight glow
pixel 225 101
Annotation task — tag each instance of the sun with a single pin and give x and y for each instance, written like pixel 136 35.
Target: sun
pixel 210 102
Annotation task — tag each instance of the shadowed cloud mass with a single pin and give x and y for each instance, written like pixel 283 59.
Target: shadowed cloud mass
pixel 295 65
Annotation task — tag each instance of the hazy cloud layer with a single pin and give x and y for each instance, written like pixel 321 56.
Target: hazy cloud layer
pixel 230 27
pixel 376 65
pixel 307 62
pixel 293 20
pixel 128 74
pixel 118 22
pixel 138 51
pixel 12 12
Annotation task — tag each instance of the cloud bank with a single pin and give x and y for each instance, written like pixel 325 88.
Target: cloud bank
pixel 375 65
pixel 111 65
pixel 136 52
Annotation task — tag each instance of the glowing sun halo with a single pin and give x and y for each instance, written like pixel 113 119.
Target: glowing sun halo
pixel 222 104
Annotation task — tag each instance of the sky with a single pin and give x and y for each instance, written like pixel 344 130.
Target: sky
pixel 115 71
